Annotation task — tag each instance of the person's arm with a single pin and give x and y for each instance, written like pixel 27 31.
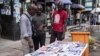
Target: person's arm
pixel 65 24
pixel 65 21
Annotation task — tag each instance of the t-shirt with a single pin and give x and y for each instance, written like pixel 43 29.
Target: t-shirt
pixel 38 21
pixel 58 20
pixel 78 16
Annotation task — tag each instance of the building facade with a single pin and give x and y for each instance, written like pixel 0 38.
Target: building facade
pixel 10 16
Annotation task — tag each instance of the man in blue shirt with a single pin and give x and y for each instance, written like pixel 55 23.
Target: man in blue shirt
pixel 26 29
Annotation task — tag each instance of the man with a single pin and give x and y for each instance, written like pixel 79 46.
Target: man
pixel 26 29
pixel 93 19
pixel 78 18
pixel 39 26
pixel 59 19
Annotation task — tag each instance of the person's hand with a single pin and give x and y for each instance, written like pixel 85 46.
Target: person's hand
pixel 45 29
pixel 29 42
pixel 30 45
pixel 40 28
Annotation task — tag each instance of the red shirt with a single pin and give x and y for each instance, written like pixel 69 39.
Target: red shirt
pixel 58 20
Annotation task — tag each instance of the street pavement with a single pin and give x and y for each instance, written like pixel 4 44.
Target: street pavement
pixel 14 48
pixel 10 48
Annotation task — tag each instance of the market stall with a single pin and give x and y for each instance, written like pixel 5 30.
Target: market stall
pixel 59 48
pixel 79 46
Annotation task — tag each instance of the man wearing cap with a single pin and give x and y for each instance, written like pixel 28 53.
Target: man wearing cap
pixel 59 19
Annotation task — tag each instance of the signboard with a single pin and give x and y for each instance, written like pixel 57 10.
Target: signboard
pixel 88 9
pixel 27 1
pixel 88 5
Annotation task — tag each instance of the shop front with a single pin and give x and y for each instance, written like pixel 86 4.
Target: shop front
pixel 10 15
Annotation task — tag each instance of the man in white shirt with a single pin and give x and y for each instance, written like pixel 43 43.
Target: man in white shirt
pixel 78 18
pixel 26 29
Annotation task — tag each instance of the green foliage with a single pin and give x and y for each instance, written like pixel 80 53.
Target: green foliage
pixel 91 40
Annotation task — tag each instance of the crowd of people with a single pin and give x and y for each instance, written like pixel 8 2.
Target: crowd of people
pixel 33 27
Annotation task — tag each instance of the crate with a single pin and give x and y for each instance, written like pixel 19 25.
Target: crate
pixel 81 37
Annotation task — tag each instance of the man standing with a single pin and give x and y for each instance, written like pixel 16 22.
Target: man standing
pixel 78 17
pixel 39 26
pixel 59 19
pixel 26 29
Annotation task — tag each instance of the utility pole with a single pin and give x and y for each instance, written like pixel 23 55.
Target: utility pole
pixel 12 3
pixel 80 2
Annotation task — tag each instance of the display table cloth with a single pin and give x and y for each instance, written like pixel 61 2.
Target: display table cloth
pixel 59 48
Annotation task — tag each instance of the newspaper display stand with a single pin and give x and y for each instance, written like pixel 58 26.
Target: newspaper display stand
pixel 60 48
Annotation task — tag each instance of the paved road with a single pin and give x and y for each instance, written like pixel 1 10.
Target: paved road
pixel 96 35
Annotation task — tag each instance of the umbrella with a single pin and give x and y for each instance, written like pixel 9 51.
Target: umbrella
pixel 66 1
pixel 77 6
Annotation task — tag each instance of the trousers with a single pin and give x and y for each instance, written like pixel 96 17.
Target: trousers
pixel 56 35
pixel 25 46
pixel 39 40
